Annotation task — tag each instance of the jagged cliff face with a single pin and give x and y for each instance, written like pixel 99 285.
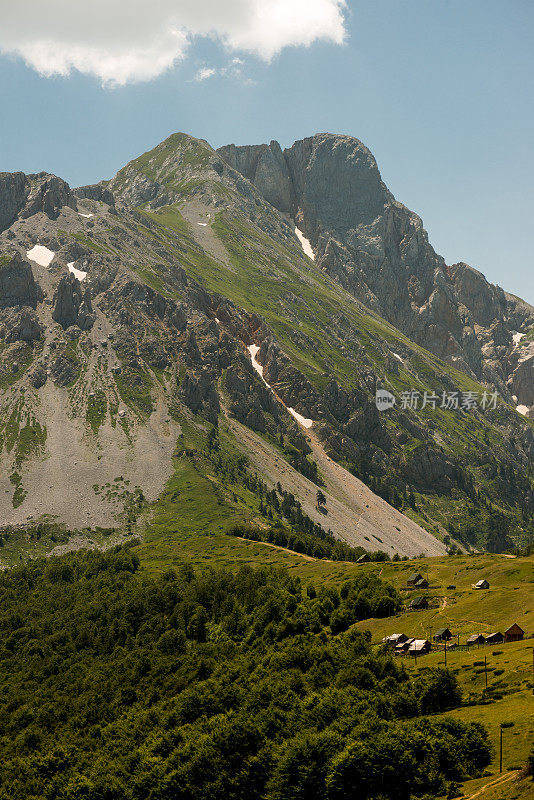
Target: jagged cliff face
pixel 378 249
pixel 130 306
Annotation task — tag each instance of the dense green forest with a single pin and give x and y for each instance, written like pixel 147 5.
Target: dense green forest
pixel 213 686
pixel 315 545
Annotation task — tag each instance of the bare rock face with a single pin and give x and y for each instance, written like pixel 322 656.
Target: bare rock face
pixel 522 381
pixel 378 250
pixel 96 191
pixel 13 193
pixel 199 394
pixel 47 194
pixel 22 196
pixel 25 327
pixel 265 166
pixel 17 284
pixel 71 305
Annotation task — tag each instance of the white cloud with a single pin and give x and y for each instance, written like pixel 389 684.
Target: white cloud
pixel 204 73
pixel 122 41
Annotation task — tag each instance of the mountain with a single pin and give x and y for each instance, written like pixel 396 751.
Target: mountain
pixel 169 355
pixel 378 249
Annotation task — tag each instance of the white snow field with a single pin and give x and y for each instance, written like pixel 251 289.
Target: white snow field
pixel 87 216
pixel 253 350
pixel 41 255
pixel 517 338
pixel 78 273
pixel 306 423
pixel 305 243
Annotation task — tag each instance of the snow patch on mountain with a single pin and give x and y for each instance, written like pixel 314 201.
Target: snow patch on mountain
pixel 305 244
pixel 41 255
pixel 78 273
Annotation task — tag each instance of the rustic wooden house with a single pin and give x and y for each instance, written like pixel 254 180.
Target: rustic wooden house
pixel 419 603
pixel 419 647
pixel 495 638
pixel 402 647
pixel 483 584
pixel 414 577
pixel 364 559
pixel 422 584
pixel 395 639
pixel 442 635
pixel 476 639
pixel 514 633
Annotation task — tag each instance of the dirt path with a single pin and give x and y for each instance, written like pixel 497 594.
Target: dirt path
pixel 353 513
pixel 493 784
pixel 283 549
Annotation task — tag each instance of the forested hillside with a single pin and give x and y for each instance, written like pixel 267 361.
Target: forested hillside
pixel 219 686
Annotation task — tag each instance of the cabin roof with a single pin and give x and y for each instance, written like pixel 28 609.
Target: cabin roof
pixel 418 600
pixel 514 626
pixel 419 644
pixel 475 636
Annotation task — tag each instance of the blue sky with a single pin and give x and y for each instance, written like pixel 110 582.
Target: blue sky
pixel 441 91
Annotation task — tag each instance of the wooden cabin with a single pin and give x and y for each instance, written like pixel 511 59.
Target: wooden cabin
pixel 363 559
pixel 482 584
pixel 403 646
pixel 476 639
pixel 495 638
pixel 395 639
pixel 514 633
pixel 419 647
pixel 442 635
pixel 414 577
pixel 419 603
pixel 421 584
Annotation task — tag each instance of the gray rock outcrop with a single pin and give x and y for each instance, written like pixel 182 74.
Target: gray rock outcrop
pixel 13 192
pixel 18 287
pixel 96 191
pixel 72 305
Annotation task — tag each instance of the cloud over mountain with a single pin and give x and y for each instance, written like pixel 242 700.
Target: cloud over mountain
pixel 123 41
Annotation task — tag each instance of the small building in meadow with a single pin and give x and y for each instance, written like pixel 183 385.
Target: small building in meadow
pixel 476 640
pixel 482 584
pixel 442 635
pixel 418 603
pixel 402 647
pixel 414 577
pixel 514 633
pixel 395 639
pixel 364 559
pixel 495 638
pixel 419 647
pixel 421 584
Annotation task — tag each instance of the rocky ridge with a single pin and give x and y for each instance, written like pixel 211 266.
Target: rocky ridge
pixel 187 265
pixel 331 187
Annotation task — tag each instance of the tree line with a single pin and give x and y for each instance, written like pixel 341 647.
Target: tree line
pixel 115 685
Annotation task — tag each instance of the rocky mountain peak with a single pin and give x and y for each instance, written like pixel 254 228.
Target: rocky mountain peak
pixel 379 250
pixel 22 196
